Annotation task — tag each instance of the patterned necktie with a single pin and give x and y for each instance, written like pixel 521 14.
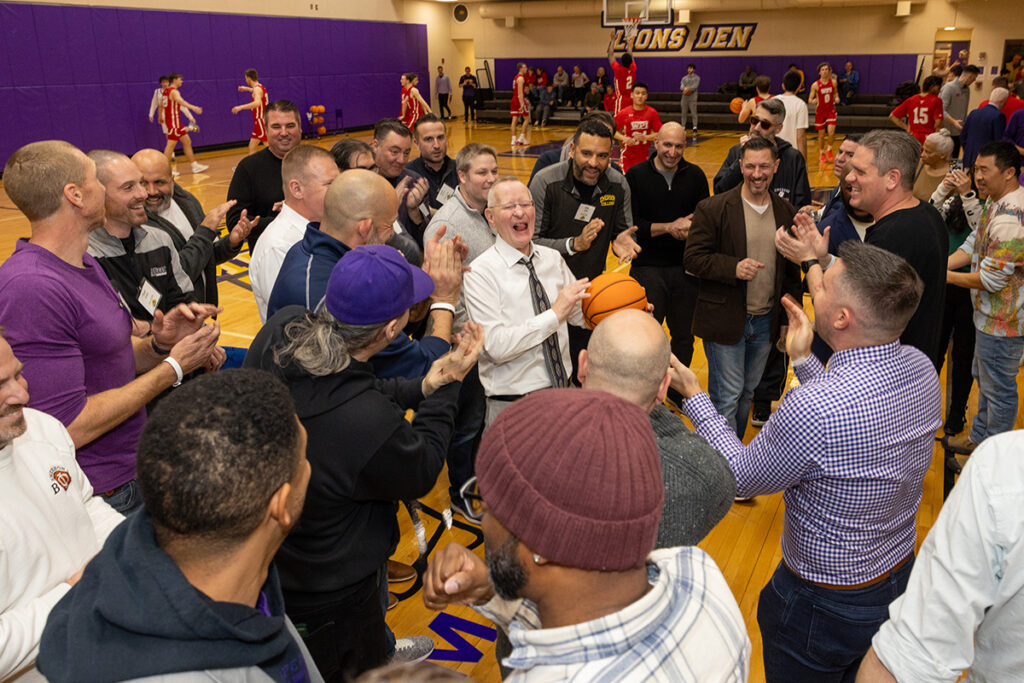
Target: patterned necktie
pixel 552 354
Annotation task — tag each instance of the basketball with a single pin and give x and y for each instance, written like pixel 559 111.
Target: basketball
pixel 610 292
pixel 736 105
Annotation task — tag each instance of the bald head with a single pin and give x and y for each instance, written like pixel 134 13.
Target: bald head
pixel 669 146
pixel 156 178
pixel 360 207
pixel 37 176
pixel 628 356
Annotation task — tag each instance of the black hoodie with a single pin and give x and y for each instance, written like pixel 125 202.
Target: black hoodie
pixel 134 614
pixel 790 181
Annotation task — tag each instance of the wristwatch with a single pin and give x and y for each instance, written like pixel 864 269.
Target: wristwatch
pixel 806 265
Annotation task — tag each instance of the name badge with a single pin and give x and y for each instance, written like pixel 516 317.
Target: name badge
pixel 584 213
pixel 149 296
pixel 445 193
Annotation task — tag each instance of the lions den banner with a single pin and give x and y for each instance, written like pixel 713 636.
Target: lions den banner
pixel 708 38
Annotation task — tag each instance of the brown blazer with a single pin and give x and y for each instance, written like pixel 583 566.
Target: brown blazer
pixel 716 243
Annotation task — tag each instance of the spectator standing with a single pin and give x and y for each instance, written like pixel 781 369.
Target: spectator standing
pixel 443 88
pixel 689 86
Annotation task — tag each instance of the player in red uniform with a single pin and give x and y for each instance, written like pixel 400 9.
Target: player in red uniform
pixel 171 103
pixel 825 94
pixel 625 74
pixel 923 112
pixel 636 126
pixel 257 105
pixel 520 107
pixel 413 104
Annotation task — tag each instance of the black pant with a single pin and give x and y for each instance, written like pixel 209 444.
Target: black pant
pixel 579 337
pixel 958 322
pixel 674 296
pixel 470 104
pixel 469 427
pixel 956 147
pixel 773 379
pixel 345 635
pixel 442 104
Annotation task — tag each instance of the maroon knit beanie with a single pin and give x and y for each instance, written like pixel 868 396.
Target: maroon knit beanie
pixel 576 476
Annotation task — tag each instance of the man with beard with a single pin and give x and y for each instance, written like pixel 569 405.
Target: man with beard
pixel 52 524
pixel 569 551
pixel 256 186
pixel 196 237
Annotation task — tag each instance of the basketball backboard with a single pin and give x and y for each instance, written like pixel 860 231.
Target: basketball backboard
pixel 654 12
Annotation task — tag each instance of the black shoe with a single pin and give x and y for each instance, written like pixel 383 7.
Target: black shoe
pixel 760 414
pixel 954 424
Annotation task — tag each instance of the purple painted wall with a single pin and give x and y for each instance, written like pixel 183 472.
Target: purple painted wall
pixel 86 74
pixel 879 74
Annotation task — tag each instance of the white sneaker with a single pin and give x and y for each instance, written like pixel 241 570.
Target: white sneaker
pixel 514 142
pixel 522 140
pixel 175 174
pixel 198 167
pixel 411 650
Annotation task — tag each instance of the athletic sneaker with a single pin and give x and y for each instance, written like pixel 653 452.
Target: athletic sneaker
pixel 411 650
pixel 822 159
pixel 198 167
pixel 522 140
pixel 514 142
pixel 458 505
pixel 175 174
pixel 831 156
pixel 760 414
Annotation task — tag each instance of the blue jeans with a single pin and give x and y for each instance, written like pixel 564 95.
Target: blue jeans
pixel 125 498
pixel 996 362
pixel 816 634
pixel 735 369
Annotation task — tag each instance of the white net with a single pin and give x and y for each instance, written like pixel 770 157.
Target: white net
pixel 630 26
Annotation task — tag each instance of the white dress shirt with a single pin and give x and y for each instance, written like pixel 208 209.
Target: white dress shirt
pixel 273 245
pixel 964 604
pixel 50 526
pixel 497 294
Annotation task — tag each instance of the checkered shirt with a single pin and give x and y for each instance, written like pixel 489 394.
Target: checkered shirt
pixel 687 627
pixel 850 448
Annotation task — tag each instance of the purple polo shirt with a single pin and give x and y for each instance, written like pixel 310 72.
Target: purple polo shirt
pixel 69 329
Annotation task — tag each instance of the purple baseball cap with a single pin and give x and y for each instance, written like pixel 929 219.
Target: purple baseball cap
pixel 374 284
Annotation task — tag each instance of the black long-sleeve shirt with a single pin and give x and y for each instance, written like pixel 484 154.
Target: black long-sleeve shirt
pixel 655 202
pixel 256 186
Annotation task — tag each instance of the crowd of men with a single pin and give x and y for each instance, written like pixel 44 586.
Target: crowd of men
pixel 261 502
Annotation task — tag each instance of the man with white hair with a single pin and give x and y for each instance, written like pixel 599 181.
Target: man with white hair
pixel 984 125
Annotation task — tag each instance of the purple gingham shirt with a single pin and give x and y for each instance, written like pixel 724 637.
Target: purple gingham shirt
pixel 850 448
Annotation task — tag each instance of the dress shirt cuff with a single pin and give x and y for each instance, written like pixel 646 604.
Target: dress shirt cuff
pixel 549 322
pixel 568 246
pixel 797 362
pixel 808 369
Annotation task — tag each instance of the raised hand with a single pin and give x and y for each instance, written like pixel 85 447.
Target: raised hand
pixel 625 247
pixel 456 575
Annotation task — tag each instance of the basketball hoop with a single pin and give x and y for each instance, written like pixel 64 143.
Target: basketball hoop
pixel 630 26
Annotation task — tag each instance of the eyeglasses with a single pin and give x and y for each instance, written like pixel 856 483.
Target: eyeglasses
pixel 470 493
pixel 765 124
pixel 514 205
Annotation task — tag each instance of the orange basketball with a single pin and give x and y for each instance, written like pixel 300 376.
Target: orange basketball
pixel 312 109
pixel 320 109
pixel 321 130
pixel 736 105
pixel 610 292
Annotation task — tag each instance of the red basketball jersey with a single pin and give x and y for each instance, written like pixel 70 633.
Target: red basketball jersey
pixel 260 97
pixel 624 78
pixel 170 112
pixel 630 121
pixel 413 109
pixel 519 107
pixel 921 112
pixel 826 96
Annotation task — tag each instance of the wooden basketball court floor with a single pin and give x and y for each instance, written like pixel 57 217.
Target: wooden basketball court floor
pixel 745 544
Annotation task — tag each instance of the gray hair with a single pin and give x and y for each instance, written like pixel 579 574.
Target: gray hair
pixel 942 141
pixel 322 345
pixel 887 288
pixel 894 149
pixel 775 107
pixel 104 158
pixel 471 151
pixel 503 180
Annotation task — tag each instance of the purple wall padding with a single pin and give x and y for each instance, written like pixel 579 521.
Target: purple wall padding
pixel 86 74
pixel 879 74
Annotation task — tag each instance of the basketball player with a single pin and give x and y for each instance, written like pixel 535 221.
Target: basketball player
pixel 413 104
pixel 637 126
pixel 625 73
pixel 171 103
pixel 924 112
pixel 520 107
pixel 824 94
pixel 258 104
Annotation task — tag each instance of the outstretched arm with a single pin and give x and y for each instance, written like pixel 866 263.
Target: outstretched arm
pixel 415 92
pixel 176 96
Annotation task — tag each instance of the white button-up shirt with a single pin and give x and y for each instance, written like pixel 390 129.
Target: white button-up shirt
pixel 498 297
pixel 273 245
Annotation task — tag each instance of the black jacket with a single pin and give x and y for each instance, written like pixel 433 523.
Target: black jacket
pixel 717 242
pixel 134 615
pixel 655 202
pixel 365 456
pixel 557 200
pixel 790 181
pixel 202 252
